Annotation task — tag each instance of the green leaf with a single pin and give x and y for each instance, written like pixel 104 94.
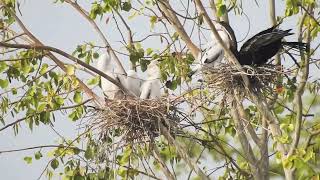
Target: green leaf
pixel 144 64
pixel 28 159
pixel 222 9
pixel 70 70
pixel 45 117
pixel 89 154
pixel 4 83
pixel 54 163
pixel 93 81
pixel 149 51
pixel 43 69
pixel 38 155
pixel 14 91
pixel 77 97
pixel 153 21
pixel 59 100
pixel 3 66
pixel 126 6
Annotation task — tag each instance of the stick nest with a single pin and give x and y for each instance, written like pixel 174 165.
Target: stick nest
pixel 135 120
pixel 225 78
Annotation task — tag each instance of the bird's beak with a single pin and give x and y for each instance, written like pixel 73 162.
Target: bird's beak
pixel 190 74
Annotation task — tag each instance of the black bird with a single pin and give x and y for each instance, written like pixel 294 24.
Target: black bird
pixel 264 45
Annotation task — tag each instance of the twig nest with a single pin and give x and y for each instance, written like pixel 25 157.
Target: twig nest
pixel 225 78
pixel 135 120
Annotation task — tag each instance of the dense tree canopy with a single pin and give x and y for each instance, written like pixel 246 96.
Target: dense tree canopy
pixel 240 134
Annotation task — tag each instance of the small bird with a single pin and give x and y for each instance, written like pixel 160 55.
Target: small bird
pixel 150 88
pixel 213 52
pixel 264 45
pixel 133 83
pixel 110 90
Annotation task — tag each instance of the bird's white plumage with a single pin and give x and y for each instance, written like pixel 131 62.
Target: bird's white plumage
pixel 150 88
pixel 213 53
pixel 133 83
pixel 106 66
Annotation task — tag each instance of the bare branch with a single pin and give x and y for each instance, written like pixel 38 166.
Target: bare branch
pixel 103 38
pixel 166 8
pixel 83 86
pixel 214 10
pixel 39 147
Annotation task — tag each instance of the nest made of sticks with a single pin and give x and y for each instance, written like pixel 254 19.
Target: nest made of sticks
pixel 225 78
pixel 136 120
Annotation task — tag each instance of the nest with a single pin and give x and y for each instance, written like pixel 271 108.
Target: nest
pixel 135 120
pixel 225 78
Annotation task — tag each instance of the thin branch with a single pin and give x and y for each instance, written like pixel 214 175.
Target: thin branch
pixel 162 164
pixel 166 9
pixel 14 37
pixel 214 10
pixel 62 108
pixel 260 102
pixel 242 136
pixel 74 59
pixel 83 86
pixel 300 89
pixel 39 147
pixel 98 30
pixel 183 153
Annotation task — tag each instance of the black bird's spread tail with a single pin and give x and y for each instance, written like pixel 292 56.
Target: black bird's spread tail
pixel 297 46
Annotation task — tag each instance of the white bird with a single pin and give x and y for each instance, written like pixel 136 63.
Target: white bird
pixel 213 53
pixel 106 66
pixel 150 89
pixel 133 83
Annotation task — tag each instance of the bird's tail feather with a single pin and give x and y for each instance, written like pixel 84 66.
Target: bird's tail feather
pixel 297 46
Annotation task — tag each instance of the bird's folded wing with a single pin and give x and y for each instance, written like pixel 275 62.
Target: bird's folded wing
pixel 145 90
pixel 264 39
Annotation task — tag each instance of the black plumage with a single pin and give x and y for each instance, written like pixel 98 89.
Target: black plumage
pixel 264 45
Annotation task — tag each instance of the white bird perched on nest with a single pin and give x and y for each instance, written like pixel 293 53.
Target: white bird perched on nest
pixel 150 89
pixel 106 66
pixel 133 83
pixel 213 53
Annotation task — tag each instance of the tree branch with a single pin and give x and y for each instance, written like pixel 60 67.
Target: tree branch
pixel 183 153
pixel 163 165
pixel 97 29
pixel 74 59
pixel 242 136
pixel 39 147
pixel 83 86
pixel 165 7
pixel 300 89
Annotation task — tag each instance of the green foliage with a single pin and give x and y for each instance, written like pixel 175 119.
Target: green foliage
pixel 102 7
pixel 28 159
pixel 86 52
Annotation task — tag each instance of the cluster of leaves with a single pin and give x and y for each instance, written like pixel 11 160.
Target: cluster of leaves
pixel 175 68
pixel 102 7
